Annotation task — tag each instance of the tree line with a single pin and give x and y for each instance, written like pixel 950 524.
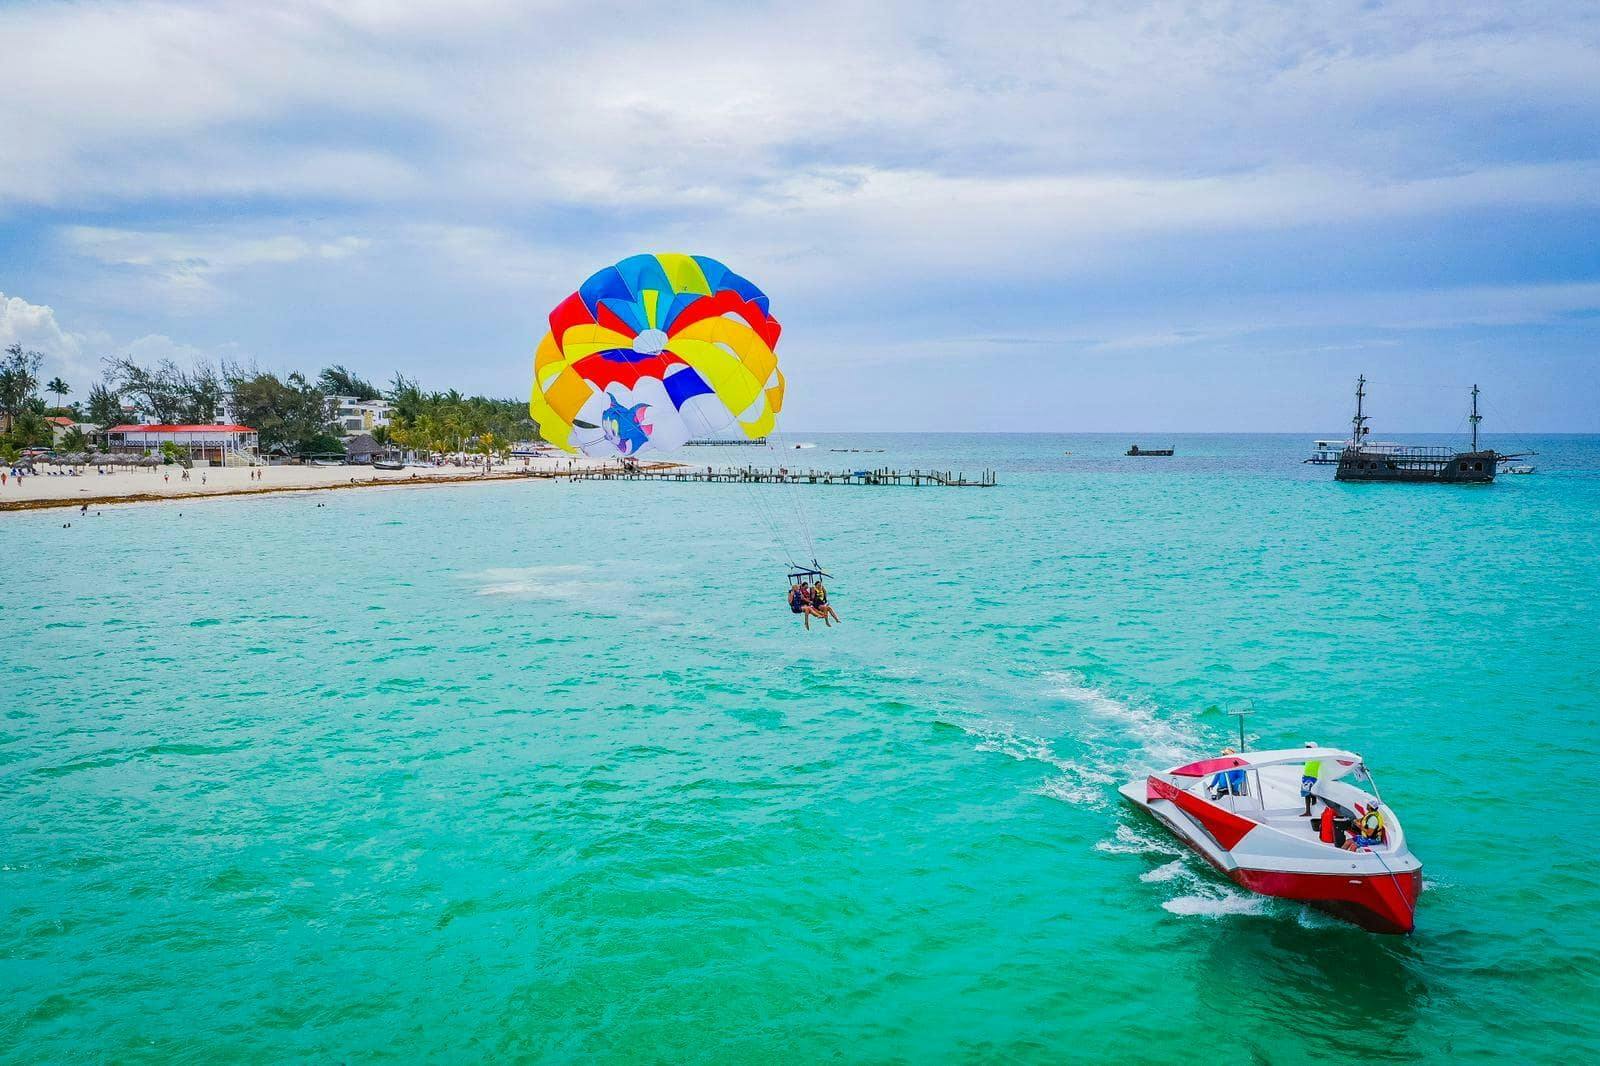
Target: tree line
pixel 293 413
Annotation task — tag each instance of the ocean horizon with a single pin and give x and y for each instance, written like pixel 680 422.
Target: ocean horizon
pixel 548 769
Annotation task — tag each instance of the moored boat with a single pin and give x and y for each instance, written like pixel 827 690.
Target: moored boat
pixel 1244 813
pixel 1327 452
pixel 1360 460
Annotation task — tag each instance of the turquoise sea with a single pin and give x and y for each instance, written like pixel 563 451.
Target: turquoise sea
pixel 548 771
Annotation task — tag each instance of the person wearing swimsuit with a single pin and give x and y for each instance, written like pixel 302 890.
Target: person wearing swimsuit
pixel 819 600
pixel 799 603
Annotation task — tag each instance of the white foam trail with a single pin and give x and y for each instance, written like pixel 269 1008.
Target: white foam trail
pixel 1008 740
pixel 1066 790
pixel 1104 725
pixel 1310 918
pixel 1078 784
pixel 1167 872
pixel 1159 740
pixel 563 582
pixel 1129 841
pixel 1203 906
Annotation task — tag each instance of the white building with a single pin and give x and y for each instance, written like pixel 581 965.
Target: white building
pixel 222 445
pixel 361 416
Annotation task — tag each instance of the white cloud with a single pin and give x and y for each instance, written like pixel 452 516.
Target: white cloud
pixel 491 103
pixel 181 268
pixel 1406 310
pixel 153 348
pixel 76 356
pixel 34 326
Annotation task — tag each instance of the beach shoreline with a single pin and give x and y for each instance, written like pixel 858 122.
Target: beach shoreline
pixel 163 485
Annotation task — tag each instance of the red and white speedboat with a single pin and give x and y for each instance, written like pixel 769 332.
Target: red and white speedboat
pixel 1243 813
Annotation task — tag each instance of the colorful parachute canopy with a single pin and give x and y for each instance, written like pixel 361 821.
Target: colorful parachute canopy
pixel 655 351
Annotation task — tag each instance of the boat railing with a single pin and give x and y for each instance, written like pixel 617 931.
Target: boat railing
pixel 1430 453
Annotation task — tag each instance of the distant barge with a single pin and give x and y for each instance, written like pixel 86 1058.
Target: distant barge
pixel 1364 461
pixel 1136 450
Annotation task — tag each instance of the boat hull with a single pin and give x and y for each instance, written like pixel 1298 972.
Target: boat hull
pixel 1416 466
pixel 1385 903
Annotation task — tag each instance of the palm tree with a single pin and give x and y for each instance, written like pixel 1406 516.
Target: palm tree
pixel 59 388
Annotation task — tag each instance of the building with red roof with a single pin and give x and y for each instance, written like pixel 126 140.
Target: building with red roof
pixel 201 444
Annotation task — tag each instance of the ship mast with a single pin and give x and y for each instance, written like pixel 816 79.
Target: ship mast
pixel 1359 422
pixel 1475 418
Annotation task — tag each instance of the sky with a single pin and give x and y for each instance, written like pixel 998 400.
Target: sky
pixel 998 217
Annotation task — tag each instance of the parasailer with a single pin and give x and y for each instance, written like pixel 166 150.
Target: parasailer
pixel 658 350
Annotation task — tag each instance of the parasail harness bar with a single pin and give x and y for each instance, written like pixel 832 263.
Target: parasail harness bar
pixel 799 573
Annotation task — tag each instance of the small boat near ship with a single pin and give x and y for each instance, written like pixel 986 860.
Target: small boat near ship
pixel 1244 813
pixel 1327 452
pixel 1136 450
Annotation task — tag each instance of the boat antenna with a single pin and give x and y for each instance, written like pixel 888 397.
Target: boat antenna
pixel 1358 424
pixel 1240 712
pixel 1476 417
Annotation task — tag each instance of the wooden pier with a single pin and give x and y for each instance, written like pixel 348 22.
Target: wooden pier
pixel 756 475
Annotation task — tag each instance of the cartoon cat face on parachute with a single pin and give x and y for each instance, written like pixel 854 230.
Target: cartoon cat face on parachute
pixel 622 425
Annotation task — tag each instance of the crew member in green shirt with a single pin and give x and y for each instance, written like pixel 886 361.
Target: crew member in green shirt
pixel 1308 779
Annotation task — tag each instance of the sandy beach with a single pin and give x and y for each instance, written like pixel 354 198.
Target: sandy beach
pixel 165 483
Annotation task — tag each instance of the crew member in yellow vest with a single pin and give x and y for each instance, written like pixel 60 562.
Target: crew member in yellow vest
pixel 1369 831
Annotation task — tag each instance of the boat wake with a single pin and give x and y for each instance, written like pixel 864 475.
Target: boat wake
pixel 1128 840
pixel 1121 739
pixel 1200 894
pixel 1117 740
pixel 1220 904
pixel 1077 783
pixel 1111 723
pixel 1168 872
pixel 564 582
